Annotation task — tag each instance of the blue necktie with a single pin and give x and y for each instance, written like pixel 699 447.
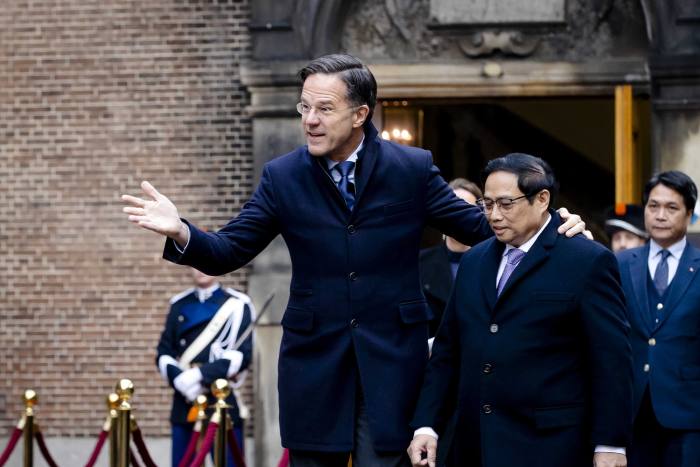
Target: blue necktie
pixel 513 258
pixel 661 273
pixel 344 184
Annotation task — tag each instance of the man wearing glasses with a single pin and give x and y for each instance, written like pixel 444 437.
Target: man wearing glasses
pixel 351 208
pixel 534 336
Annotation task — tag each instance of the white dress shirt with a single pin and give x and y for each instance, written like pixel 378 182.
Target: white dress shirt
pixel 352 158
pixel 675 250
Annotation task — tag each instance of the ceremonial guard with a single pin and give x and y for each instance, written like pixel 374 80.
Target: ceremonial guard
pixel 197 346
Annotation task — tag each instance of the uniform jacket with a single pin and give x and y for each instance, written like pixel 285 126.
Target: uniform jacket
pixel 671 348
pixel 186 319
pixel 544 371
pixel 356 314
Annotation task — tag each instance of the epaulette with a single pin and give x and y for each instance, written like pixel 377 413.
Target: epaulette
pixel 239 295
pixel 181 295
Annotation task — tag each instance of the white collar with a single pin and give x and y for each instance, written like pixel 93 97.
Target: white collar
pixel 676 249
pixel 527 245
pixel 204 294
pixel 352 158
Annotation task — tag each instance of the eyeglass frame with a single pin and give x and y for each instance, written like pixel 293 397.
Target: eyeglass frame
pixel 499 202
pixel 320 112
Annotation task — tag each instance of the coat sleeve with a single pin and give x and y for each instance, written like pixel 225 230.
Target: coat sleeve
pixel 441 374
pixel 238 242
pixel 604 319
pixel 450 214
pixel 219 368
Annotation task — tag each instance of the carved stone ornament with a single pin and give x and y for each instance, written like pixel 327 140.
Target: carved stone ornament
pixel 485 43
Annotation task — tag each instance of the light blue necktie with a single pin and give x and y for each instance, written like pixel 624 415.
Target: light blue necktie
pixel 661 273
pixel 513 258
pixel 344 184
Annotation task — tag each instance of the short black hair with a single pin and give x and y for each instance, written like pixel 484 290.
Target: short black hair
pixel 677 181
pixel 362 87
pixel 534 174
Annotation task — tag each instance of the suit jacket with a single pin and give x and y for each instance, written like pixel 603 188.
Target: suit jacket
pixel 356 315
pixel 436 278
pixel 671 348
pixel 186 320
pixel 544 371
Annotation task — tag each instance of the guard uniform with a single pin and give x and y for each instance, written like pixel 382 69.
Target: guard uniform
pixel 190 313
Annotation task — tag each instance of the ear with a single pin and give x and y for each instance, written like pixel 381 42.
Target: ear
pixel 543 198
pixel 361 114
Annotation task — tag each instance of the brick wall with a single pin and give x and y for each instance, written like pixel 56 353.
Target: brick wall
pixel 96 95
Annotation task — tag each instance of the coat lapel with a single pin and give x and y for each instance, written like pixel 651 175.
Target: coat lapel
pixel 490 261
pixel 639 272
pixel 366 161
pixel 536 256
pixel 687 268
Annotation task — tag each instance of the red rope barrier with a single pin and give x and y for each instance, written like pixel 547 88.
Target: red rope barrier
pixel 16 435
pixel 235 450
pixel 134 462
pixel 98 448
pixel 191 448
pixel 284 460
pixel 143 450
pixel 206 445
pixel 44 449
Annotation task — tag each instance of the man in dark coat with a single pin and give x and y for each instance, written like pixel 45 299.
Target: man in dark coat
pixel 351 208
pixel 534 336
pixel 662 288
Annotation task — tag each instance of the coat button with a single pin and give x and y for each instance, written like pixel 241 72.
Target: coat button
pixel 181 318
pixel 652 342
pixel 493 328
pixel 660 306
pixel 486 408
pixel 352 276
pixel 182 342
pixel 351 229
pixel 646 368
pixel 487 368
pixel 354 323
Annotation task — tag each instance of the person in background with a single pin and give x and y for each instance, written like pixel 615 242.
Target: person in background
pixel 438 264
pixel 196 348
pixel 662 288
pixel 624 225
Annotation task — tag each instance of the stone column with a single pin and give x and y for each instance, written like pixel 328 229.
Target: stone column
pixel 276 131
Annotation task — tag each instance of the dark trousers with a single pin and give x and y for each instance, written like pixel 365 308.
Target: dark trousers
pixel 181 434
pixel 656 446
pixel 363 454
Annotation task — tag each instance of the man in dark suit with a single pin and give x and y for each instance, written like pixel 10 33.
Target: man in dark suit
pixel 662 288
pixel 194 351
pixel 534 336
pixel 351 208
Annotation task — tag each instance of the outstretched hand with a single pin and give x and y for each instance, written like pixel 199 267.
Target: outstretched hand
pixel 573 224
pixel 157 214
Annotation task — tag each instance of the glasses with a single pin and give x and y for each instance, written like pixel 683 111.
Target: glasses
pixel 504 204
pixel 324 111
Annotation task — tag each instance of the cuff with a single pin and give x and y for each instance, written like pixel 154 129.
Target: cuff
pixel 236 359
pixel 163 363
pixel 425 430
pixel 177 246
pixel 610 449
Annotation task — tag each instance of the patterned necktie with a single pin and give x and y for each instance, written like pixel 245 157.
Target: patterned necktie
pixel 513 258
pixel 344 184
pixel 661 273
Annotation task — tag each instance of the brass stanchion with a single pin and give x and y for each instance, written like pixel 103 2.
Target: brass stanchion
pixel 221 390
pixel 30 399
pixel 113 407
pixel 125 389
